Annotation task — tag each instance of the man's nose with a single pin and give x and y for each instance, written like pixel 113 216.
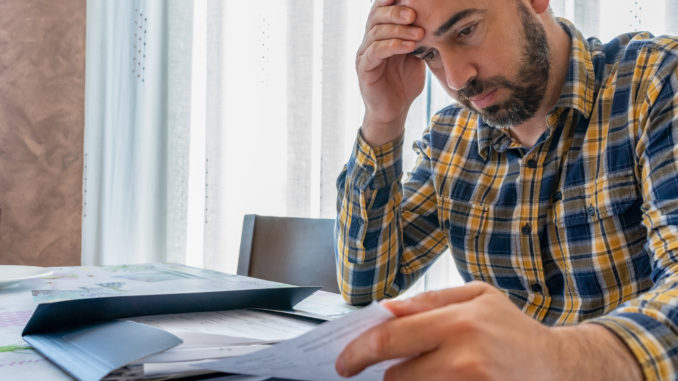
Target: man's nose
pixel 459 71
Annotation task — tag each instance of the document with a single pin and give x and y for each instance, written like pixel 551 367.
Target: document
pixel 76 323
pixel 312 355
pixel 211 335
pixel 240 324
pixel 325 305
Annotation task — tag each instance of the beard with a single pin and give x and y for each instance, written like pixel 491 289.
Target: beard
pixel 527 91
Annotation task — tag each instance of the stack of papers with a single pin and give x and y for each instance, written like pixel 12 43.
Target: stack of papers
pixel 84 330
pixel 167 321
pixel 312 355
pixel 309 356
pixel 213 335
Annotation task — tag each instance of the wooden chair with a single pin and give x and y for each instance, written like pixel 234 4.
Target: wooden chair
pixel 297 251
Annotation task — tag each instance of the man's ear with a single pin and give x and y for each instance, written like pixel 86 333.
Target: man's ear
pixel 540 6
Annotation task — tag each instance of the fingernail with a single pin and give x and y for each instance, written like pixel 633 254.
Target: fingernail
pixel 339 366
pixel 405 14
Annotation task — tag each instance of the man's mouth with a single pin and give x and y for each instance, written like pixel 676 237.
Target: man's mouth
pixel 483 100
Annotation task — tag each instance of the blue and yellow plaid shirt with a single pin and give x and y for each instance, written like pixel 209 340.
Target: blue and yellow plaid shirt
pixel 581 227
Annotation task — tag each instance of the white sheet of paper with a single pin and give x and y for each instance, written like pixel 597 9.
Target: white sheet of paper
pixel 184 368
pixel 312 355
pixel 326 305
pixel 250 324
pixel 212 335
pixel 195 354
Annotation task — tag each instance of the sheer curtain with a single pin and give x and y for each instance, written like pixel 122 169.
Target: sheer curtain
pixel 281 93
pixel 136 131
pixel 282 112
pixel 251 107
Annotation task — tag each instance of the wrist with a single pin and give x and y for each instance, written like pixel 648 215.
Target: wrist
pixel 377 133
pixel 591 351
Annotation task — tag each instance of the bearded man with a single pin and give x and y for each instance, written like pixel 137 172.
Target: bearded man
pixel 553 181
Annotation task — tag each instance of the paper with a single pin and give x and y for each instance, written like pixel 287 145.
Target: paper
pixel 325 305
pixel 109 293
pixel 249 324
pixel 212 335
pixel 312 355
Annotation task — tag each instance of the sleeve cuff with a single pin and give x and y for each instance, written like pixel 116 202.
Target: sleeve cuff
pixel 376 167
pixel 647 339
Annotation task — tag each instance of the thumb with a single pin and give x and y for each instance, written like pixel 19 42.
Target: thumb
pixel 436 299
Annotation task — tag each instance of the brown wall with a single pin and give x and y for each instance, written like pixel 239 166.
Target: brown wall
pixel 42 78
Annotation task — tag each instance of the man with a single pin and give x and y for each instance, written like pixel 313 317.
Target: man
pixel 554 183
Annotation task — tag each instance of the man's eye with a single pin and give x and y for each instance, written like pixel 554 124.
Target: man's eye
pixel 466 31
pixel 429 56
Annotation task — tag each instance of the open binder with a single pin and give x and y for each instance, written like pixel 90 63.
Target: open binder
pixel 87 339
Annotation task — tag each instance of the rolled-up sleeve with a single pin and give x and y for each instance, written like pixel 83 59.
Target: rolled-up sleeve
pixel 387 232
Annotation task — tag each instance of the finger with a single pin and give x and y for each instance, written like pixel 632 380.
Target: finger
pixel 377 4
pixel 379 51
pixel 391 14
pixel 381 3
pixel 419 367
pixel 384 32
pixel 397 338
pixel 436 299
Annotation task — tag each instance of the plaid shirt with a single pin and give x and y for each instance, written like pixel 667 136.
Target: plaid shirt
pixel 582 226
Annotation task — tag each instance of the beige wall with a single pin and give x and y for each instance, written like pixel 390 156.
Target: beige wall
pixel 42 77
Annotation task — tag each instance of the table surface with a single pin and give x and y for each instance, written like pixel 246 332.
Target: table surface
pixel 18 361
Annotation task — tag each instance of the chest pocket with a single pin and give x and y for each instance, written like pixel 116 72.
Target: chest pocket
pixel 599 235
pixel 596 202
pixel 476 250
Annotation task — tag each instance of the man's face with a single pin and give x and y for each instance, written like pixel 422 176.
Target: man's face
pixel 490 55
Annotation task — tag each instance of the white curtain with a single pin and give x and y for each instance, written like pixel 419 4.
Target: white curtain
pixel 136 131
pixel 269 90
pixel 281 93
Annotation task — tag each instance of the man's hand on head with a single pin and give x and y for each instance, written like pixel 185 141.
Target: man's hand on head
pixel 475 332
pixel 389 77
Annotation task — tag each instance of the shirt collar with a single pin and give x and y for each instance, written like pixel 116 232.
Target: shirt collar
pixel 577 92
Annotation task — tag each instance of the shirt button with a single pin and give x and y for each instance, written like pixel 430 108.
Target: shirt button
pixel 527 229
pixel 369 168
pixel 536 287
pixel 591 211
pixel 532 163
pixel 558 196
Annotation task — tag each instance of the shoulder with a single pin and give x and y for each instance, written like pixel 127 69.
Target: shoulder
pixel 634 68
pixel 640 52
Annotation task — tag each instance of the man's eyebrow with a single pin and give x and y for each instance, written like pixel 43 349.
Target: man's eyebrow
pixel 453 20
pixel 418 51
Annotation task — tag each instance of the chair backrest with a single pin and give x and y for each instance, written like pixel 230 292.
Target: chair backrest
pixel 297 251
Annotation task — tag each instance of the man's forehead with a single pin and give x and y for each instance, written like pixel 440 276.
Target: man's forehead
pixel 437 10
pixel 414 4
pixel 438 3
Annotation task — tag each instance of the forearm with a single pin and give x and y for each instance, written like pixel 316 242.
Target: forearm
pixel 368 206
pixel 387 232
pixel 592 352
